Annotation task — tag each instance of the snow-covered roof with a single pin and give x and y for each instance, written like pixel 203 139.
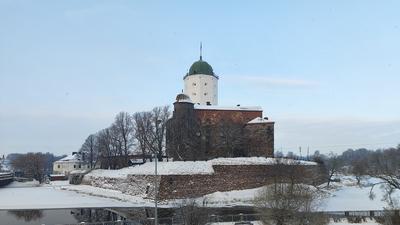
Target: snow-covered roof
pixel 259 120
pixel 71 158
pixel 233 108
pixel 191 167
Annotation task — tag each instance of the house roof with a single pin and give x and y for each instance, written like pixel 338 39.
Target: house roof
pixel 71 158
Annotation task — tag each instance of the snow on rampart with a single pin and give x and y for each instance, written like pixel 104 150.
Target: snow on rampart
pixel 258 161
pixel 163 168
pixel 191 167
pixel 139 180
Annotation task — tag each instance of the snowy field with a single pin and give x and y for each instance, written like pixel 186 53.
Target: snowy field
pixel 346 196
pixel 30 196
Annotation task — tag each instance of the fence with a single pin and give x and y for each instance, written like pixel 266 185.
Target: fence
pixel 6 178
pixel 335 215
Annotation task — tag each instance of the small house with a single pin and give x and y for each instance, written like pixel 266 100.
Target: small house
pixel 66 165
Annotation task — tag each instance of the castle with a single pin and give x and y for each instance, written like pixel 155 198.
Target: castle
pixel 200 129
pixel 213 148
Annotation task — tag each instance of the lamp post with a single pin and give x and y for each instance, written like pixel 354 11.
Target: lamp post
pixel 155 190
pixel 155 176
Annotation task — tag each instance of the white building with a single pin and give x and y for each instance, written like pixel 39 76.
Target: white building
pixel 201 83
pixel 70 163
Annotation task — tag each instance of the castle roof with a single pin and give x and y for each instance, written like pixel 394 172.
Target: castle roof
pixel 234 108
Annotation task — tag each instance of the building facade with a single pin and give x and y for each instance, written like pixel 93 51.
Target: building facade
pixel 200 129
pixel 70 163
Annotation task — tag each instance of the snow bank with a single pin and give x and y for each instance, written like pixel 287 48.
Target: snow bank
pixel 191 167
pixel 258 161
pixel 29 196
pixel 163 168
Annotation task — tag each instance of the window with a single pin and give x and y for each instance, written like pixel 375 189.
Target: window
pixel 194 84
pixel 74 166
pixel 205 84
pixel 79 166
pixel 58 166
pixel 205 93
pixel 193 93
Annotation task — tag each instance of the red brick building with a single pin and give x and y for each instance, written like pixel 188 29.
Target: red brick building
pixel 201 132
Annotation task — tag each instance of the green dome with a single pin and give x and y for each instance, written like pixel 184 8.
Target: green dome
pixel 201 67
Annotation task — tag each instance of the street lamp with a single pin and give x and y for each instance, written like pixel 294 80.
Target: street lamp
pixel 155 177
pixel 155 190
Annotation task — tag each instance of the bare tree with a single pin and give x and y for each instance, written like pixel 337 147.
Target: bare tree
pixel 160 116
pixel 287 200
pixel 333 165
pixel 32 165
pixel 150 129
pixel 124 133
pixel 109 147
pixel 385 165
pixel 143 129
pixel 191 213
pixel 359 169
pixel 89 150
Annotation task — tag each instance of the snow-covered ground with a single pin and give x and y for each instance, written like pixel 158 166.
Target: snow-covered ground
pixel 348 196
pixel 344 196
pixel 31 196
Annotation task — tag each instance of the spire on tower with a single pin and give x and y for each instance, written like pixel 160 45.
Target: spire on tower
pixel 201 51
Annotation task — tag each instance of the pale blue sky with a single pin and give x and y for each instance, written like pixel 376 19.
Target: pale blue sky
pixel 326 71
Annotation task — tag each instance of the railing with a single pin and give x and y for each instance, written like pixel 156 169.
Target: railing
pixel 109 223
pixel 234 218
pixel 238 218
pixel 6 176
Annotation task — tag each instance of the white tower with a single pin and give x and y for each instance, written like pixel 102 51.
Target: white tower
pixel 201 84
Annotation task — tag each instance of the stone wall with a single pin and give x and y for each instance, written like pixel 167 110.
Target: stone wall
pixel 136 185
pixel 237 177
pixel 224 178
pixel 214 117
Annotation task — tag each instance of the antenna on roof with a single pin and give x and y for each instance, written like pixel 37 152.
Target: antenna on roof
pixel 201 51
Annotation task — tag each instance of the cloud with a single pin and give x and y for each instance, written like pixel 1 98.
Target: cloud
pixel 273 81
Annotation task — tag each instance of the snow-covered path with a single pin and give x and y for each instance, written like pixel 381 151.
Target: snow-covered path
pixel 28 196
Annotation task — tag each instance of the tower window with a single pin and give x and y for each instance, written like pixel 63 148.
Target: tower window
pixel 205 93
pixel 194 84
pixel 193 93
pixel 205 84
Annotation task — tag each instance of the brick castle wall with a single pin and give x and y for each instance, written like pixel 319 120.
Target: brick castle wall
pixel 237 177
pixel 213 117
